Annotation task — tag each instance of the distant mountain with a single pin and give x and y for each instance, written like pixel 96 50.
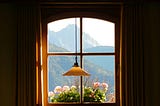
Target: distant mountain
pixel 54 48
pixel 101 68
pixel 65 38
pixel 60 64
pixel 102 49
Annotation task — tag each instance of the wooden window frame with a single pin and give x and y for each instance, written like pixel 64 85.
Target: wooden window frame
pixel 77 13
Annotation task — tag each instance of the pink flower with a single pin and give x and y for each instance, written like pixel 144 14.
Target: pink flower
pixel 50 94
pixel 96 85
pixel 92 95
pixel 65 88
pixel 104 85
pixel 111 98
pixel 58 89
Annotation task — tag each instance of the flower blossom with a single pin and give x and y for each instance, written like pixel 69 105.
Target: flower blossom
pixel 50 94
pixel 65 88
pixel 111 98
pixel 58 89
pixel 96 85
pixel 92 95
pixel 104 85
pixel 73 87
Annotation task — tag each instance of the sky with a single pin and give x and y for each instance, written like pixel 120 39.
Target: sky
pixel 102 31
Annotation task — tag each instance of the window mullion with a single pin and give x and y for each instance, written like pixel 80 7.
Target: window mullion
pixel 81 78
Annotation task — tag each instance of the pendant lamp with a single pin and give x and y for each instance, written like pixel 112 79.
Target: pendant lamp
pixel 76 70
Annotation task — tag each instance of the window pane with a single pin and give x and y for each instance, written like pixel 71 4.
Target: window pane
pixel 102 70
pixel 58 84
pixel 61 35
pixel 98 35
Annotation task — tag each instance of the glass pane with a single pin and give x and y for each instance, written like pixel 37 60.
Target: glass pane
pixel 61 35
pixel 98 35
pixel 62 88
pixel 100 86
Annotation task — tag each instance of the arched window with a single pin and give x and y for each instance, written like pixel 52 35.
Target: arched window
pixel 98 52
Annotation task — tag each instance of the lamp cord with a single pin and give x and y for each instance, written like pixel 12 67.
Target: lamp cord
pixel 76 39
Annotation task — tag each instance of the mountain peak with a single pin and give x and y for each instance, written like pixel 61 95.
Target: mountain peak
pixel 65 38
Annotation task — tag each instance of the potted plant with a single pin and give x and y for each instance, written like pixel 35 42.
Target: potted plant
pixel 95 93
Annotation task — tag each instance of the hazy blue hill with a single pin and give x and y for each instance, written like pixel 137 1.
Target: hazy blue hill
pixel 105 62
pixel 60 64
pixel 96 49
pixel 57 66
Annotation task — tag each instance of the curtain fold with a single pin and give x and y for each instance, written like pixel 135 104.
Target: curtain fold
pixel 133 68
pixel 27 29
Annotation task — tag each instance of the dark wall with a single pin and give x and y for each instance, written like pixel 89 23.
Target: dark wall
pixel 152 53
pixel 7 54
